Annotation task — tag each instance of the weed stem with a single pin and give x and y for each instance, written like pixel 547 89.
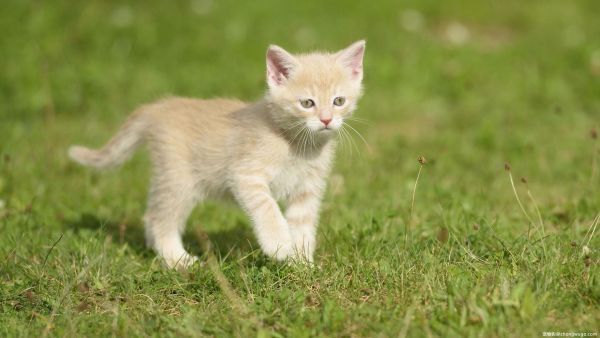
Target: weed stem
pixel 539 215
pixel 412 204
pixel 512 183
pixel 592 229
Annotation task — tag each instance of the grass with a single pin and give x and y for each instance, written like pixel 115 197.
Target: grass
pixel 468 85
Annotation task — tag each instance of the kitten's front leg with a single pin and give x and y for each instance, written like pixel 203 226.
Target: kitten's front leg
pixel 271 228
pixel 302 214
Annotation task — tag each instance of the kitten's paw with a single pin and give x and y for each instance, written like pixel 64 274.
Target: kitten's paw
pixel 278 251
pixel 278 248
pixel 183 261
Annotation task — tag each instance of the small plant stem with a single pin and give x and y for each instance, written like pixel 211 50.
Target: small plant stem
pixel 592 228
pixel 594 162
pixel 421 160
pixel 412 204
pixel 537 210
pixel 512 183
pixel 539 214
pixel 50 251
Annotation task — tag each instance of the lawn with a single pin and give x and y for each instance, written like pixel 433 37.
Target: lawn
pixel 469 85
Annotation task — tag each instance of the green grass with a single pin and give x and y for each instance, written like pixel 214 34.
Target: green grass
pixel 523 87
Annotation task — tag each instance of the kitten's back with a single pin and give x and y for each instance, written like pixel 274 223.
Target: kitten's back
pixel 174 124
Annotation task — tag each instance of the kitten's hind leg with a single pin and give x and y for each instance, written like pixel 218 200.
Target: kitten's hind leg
pixel 169 206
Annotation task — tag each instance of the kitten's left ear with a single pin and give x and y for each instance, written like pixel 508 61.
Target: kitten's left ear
pixel 352 57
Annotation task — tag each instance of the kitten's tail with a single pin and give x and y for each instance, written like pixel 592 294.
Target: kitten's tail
pixel 117 150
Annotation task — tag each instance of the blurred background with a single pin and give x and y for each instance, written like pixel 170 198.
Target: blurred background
pixel 470 85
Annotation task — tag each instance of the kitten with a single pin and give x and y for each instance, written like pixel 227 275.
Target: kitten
pixel 277 149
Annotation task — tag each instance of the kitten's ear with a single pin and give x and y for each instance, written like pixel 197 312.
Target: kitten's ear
pixel 280 65
pixel 352 57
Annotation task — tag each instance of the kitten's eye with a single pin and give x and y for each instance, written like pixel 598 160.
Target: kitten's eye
pixel 308 103
pixel 339 101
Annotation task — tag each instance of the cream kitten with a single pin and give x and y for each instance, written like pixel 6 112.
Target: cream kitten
pixel 277 149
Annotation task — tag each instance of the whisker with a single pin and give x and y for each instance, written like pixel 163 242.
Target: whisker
pixel 307 143
pixel 361 137
pixel 359 120
pixel 299 132
pixel 304 140
pixel 342 141
pixel 350 141
pixel 353 141
pixel 291 127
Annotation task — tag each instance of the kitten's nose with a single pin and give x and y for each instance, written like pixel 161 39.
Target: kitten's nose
pixel 325 121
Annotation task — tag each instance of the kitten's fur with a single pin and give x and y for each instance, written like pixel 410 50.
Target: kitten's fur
pixel 273 150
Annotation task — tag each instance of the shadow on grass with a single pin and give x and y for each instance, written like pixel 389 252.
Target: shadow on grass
pixel 235 242
pixel 126 231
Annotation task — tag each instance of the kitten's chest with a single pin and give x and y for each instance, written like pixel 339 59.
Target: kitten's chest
pixel 290 176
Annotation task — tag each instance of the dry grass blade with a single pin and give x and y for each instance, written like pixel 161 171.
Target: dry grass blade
pixel 591 230
pixel 596 149
pixel 50 251
pixel 539 214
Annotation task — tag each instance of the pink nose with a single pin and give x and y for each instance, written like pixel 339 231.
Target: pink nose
pixel 325 121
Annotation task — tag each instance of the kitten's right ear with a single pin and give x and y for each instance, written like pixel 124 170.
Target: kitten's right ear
pixel 280 65
pixel 352 57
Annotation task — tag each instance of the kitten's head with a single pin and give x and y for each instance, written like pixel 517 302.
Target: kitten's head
pixel 318 90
